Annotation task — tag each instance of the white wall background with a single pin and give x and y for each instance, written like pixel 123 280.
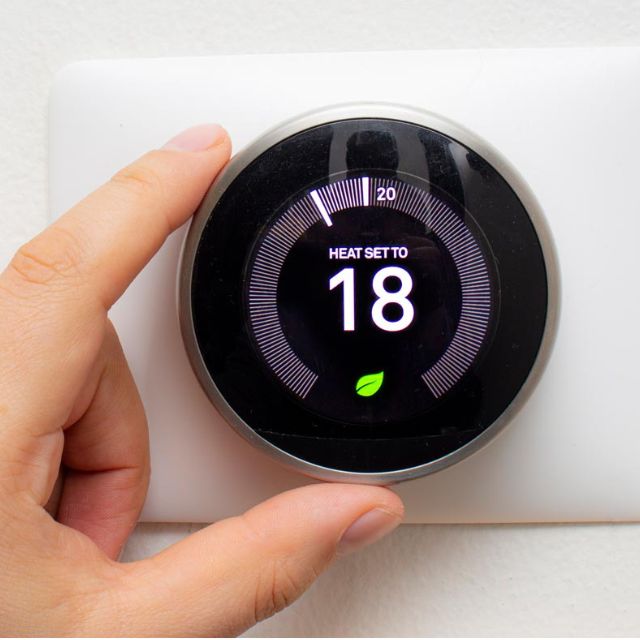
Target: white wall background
pixel 424 580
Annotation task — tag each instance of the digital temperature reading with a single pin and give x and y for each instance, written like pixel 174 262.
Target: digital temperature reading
pixel 384 297
pixel 363 293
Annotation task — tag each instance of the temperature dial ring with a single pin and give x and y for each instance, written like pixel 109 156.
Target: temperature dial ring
pixel 342 194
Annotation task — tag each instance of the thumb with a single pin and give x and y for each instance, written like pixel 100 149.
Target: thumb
pixel 225 578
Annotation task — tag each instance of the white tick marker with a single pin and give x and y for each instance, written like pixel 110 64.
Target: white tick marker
pixel 321 208
pixel 365 191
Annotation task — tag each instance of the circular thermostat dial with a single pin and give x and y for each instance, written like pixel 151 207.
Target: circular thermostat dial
pixel 366 292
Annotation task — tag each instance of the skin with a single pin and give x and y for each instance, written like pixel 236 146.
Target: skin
pixel 68 401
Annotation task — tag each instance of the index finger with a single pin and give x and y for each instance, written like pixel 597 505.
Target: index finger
pixel 102 243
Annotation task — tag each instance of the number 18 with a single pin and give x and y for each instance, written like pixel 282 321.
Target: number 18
pixel 346 278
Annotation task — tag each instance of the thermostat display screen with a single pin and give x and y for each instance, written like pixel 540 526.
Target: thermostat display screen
pixel 369 297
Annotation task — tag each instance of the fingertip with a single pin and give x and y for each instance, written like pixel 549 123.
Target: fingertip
pixel 202 137
pixel 367 529
pixel 373 496
pixel 384 512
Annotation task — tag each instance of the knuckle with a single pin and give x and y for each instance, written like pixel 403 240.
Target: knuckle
pixel 49 258
pixel 275 590
pixel 140 178
pixel 282 578
pixel 279 586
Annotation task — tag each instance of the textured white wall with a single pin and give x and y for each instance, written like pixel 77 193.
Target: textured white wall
pixel 424 580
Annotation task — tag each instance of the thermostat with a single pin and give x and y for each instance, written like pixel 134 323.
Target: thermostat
pixel 365 291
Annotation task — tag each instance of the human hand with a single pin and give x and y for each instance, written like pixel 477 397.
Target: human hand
pixel 67 397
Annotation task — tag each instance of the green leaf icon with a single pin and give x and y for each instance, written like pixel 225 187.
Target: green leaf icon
pixel 369 384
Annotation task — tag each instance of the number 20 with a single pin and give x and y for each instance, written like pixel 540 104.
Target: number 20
pixel 384 194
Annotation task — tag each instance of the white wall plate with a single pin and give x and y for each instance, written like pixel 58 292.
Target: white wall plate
pixel 566 119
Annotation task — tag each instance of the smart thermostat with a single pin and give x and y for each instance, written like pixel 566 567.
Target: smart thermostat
pixel 368 292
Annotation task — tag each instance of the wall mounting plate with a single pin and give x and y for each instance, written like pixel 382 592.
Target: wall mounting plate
pixel 565 118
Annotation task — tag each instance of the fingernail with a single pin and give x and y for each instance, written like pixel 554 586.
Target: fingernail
pixel 367 529
pixel 198 138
